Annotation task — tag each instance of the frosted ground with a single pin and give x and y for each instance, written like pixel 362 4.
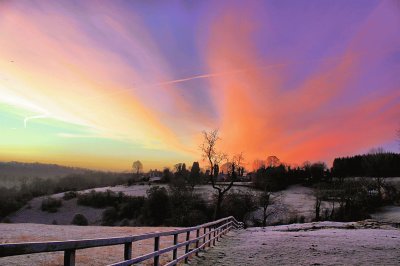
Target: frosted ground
pixel 295 201
pixel 14 233
pixel 323 243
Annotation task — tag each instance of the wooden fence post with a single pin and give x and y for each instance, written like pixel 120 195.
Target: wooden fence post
pixel 209 236
pixel 187 246
pixel 175 252
pixel 215 232
pixel 156 248
pixel 204 239
pixel 128 251
pixel 197 242
pixel 69 257
pixel 214 236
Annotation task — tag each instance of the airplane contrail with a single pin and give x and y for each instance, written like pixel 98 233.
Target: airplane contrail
pixel 202 76
pixel 218 74
pixel 34 117
pixel 215 75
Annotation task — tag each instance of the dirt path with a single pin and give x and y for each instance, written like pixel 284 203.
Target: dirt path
pixel 312 245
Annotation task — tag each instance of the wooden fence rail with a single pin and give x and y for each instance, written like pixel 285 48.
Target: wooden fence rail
pixel 206 235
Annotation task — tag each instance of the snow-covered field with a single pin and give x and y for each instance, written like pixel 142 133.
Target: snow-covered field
pixel 324 243
pixel 31 213
pixel 295 201
pixel 14 233
pixel 390 214
pixel 206 191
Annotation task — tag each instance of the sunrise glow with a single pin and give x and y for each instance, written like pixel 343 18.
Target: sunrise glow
pixel 100 84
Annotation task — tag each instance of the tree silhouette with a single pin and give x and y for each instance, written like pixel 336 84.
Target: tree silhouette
pixel 257 164
pixel 194 177
pixel 137 167
pixel 317 171
pixel 272 161
pixel 214 158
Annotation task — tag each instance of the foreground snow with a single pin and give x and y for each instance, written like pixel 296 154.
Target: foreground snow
pixel 322 243
pixel 15 233
pixel 325 243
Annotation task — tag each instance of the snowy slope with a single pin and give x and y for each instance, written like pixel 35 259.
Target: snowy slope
pixel 325 243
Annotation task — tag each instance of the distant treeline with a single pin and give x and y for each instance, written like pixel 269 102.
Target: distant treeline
pixel 9 170
pixel 280 177
pixel 12 199
pixel 176 206
pixel 384 164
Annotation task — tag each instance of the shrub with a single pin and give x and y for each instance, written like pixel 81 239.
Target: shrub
pixel 294 219
pixel 125 222
pixel 157 207
pixel 50 204
pixel 101 199
pixel 70 195
pixel 239 205
pixel 110 216
pixel 188 209
pixel 132 207
pixel 275 178
pixel 79 219
pixel 6 220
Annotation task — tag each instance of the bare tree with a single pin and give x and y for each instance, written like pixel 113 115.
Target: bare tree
pixel 137 167
pixel 257 164
pixel 272 206
pixel 317 204
pixel 272 161
pixel 265 202
pixel 214 158
pixel 374 166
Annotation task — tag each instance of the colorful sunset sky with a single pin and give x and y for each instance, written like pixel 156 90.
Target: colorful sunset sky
pixel 100 84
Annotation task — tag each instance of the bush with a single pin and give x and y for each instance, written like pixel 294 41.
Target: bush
pixel 79 219
pixel 275 178
pixel 131 207
pixel 157 208
pixel 110 216
pixel 70 195
pixel 125 222
pixel 50 204
pixel 238 205
pixel 14 198
pixel 6 220
pixel 101 199
pixel 188 209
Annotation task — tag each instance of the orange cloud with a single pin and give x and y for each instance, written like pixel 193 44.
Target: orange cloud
pixel 310 121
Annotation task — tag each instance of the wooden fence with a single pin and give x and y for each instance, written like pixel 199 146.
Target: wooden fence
pixel 206 235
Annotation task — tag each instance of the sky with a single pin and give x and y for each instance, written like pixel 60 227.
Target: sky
pixel 100 84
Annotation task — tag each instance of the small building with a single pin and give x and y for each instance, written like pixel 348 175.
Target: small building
pixel 155 179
